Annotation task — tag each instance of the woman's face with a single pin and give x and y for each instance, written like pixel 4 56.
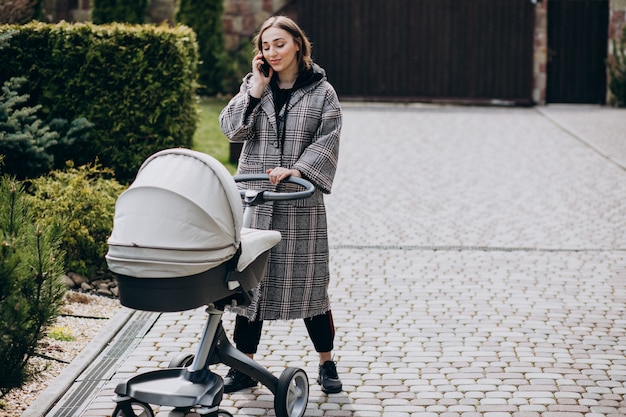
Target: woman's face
pixel 280 49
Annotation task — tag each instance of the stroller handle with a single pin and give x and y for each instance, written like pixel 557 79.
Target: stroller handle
pixel 308 191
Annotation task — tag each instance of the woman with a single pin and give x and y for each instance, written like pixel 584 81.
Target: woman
pixel 290 123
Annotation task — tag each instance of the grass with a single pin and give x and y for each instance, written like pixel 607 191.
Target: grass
pixel 209 137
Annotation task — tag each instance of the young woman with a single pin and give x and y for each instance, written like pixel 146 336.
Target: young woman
pixel 290 123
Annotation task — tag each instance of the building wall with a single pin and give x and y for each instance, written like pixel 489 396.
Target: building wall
pixel 242 18
pixel 540 61
pixel 617 21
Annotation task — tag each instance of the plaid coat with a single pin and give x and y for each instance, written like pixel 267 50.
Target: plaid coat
pixel 296 284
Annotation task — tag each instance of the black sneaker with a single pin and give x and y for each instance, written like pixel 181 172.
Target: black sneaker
pixel 236 381
pixel 328 379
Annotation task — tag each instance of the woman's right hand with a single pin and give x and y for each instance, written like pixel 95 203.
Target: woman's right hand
pixel 258 80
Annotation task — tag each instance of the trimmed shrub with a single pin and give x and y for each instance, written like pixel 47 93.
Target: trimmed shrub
pixel 136 84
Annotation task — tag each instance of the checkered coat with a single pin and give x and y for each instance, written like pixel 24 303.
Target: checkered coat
pixel 296 284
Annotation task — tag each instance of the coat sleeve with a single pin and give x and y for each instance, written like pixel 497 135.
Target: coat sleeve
pixel 318 163
pixel 233 121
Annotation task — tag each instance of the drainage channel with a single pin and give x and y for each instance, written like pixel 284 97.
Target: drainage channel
pixel 90 382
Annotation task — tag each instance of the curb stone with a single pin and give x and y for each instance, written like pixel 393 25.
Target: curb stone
pixel 60 385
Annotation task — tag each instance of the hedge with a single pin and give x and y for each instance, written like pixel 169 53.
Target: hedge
pixel 135 83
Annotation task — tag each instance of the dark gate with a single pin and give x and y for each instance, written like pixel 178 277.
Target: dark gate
pixel 455 50
pixel 577 50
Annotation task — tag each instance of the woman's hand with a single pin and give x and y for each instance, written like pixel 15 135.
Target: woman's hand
pixel 259 82
pixel 279 173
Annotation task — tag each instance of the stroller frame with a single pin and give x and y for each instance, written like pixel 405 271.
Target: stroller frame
pixel 188 384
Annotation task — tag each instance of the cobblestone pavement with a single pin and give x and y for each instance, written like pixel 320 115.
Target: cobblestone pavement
pixel 478 263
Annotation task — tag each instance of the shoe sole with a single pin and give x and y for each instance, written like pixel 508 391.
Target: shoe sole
pixel 330 391
pixel 239 387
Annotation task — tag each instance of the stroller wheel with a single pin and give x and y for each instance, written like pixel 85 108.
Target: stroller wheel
pixel 182 360
pixel 132 409
pixel 292 393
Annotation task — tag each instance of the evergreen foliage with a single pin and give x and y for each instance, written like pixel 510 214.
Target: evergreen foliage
pixel 205 18
pixel 24 140
pixel 617 71
pixel 29 145
pixel 136 84
pixel 237 66
pixel 31 291
pixel 123 11
pixel 84 199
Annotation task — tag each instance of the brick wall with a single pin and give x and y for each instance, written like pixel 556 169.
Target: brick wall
pixel 617 20
pixel 242 18
pixel 540 56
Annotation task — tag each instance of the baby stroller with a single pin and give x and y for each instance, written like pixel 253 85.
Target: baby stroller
pixel 180 241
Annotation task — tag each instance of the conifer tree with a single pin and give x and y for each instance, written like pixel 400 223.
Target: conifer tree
pixel 29 146
pixel 31 291
pixel 205 18
pixel 31 262
pixel 24 140
pixel 122 11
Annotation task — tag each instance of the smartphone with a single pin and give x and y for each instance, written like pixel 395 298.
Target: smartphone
pixel 265 68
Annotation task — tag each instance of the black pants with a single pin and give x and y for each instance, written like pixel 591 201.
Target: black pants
pixel 321 331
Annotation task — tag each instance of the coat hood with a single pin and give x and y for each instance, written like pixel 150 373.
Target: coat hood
pixel 309 77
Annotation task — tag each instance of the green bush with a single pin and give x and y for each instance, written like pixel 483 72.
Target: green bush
pixel 238 66
pixel 109 11
pixel 136 84
pixel 24 139
pixel 617 71
pixel 31 148
pixel 205 18
pixel 31 292
pixel 84 199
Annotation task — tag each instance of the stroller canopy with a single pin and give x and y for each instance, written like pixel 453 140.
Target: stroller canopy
pixel 181 216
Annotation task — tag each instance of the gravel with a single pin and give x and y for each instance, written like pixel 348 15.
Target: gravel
pixel 82 317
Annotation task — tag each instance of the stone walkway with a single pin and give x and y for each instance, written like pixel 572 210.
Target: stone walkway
pixel 478 261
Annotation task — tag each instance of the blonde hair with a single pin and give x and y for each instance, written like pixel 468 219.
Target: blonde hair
pixel 303 56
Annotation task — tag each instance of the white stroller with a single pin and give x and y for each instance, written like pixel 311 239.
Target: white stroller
pixel 180 241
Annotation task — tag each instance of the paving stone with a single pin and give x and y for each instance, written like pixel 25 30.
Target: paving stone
pixel 477 262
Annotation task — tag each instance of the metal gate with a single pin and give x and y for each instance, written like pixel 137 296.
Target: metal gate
pixel 577 51
pixel 454 50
